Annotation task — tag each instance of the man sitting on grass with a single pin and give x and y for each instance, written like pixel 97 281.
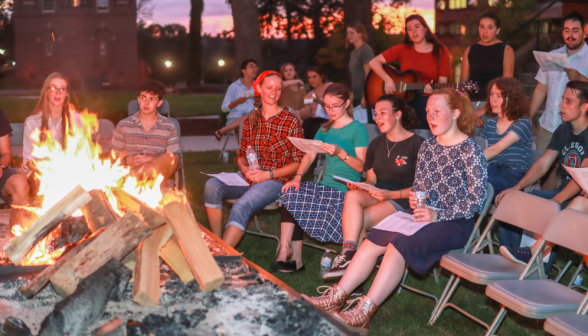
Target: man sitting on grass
pixel 147 141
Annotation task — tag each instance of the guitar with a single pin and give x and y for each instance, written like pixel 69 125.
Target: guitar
pixel 404 81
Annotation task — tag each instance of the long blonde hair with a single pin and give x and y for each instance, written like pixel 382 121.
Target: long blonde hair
pixel 339 91
pixel 461 102
pixel 44 109
pixel 257 103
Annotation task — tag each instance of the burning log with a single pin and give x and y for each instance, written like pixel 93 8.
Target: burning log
pixel 146 286
pixel 35 285
pixel 13 326
pixel 87 304
pixel 173 257
pixel 98 212
pixel 115 242
pixel 18 247
pixel 194 248
pixel 130 203
pixel 71 231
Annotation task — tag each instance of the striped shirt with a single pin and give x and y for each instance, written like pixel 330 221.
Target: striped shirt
pixel 518 155
pixel 131 138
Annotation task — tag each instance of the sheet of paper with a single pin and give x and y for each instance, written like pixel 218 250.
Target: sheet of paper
pixel 401 222
pixel 580 175
pixel 307 146
pixel 231 179
pixel 248 94
pixel 550 61
pixel 363 186
pixel 308 101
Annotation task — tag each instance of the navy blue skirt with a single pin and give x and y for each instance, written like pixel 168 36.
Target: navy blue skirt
pixel 423 249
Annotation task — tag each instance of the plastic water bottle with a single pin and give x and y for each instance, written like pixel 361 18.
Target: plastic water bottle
pixel 421 195
pixel 578 280
pixel 226 157
pixel 326 262
pixel 252 159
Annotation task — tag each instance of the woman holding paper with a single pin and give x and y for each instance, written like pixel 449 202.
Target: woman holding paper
pixel 317 207
pixel 390 164
pixel 452 168
pixel 314 101
pixel 266 131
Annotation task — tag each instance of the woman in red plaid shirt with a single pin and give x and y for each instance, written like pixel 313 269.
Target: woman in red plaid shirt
pixel 266 131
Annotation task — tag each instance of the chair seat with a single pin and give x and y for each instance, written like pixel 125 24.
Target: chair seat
pixel 482 269
pixel 272 206
pixel 567 325
pixel 535 298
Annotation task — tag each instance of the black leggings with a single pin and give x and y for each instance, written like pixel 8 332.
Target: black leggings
pixel 288 218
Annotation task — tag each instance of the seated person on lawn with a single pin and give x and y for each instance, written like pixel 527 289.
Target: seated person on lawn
pixel 570 145
pixel 147 141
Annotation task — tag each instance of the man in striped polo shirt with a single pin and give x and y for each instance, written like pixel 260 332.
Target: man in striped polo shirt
pixel 147 141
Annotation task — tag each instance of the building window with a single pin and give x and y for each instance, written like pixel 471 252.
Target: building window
pixel 49 48
pixel 76 3
pixel 102 5
pixel 28 2
pixel 456 28
pixel 122 2
pixel 48 5
pixel 442 30
pixel 458 4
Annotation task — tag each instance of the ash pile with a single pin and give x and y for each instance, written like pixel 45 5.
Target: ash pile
pixel 148 272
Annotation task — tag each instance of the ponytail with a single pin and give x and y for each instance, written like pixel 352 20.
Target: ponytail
pixel 339 91
pixel 256 112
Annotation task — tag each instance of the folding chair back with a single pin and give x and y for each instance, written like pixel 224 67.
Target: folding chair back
pixel 535 155
pixel 373 131
pixel 569 229
pixel 180 170
pixel 17 135
pixel 481 142
pixel 424 133
pixel 104 135
pixel 526 211
pixel 134 107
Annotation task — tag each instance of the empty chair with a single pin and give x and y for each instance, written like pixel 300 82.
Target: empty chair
pixel 17 135
pixel 104 134
pixel 523 210
pixel 180 170
pixel 537 299
pixel 164 109
pixel 567 324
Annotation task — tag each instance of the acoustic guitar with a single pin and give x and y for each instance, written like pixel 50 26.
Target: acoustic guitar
pixel 405 81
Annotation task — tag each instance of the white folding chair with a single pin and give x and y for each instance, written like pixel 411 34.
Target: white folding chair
pixel 517 208
pixel 537 299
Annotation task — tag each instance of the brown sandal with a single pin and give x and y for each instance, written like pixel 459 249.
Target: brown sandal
pixel 218 135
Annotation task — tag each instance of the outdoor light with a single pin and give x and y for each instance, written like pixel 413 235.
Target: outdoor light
pixel 221 62
pixel 168 64
pixel 1 51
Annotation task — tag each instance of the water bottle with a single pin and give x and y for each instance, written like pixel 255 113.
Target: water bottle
pixel 578 280
pixel 326 262
pixel 252 159
pixel 226 157
pixel 420 194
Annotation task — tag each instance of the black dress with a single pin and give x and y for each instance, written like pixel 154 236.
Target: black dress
pixel 486 64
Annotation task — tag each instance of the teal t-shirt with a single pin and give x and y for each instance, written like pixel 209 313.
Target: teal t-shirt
pixel 348 138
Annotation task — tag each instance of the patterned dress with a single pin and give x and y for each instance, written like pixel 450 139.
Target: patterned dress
pixel 455 178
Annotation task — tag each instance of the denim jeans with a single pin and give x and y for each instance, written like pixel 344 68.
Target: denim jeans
pixel 251 199
pixel 502 177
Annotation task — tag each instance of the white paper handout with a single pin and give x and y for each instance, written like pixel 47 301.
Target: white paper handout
pixel 248 94
pixel 363 186
pixel 307 146
pixel 580 175
pixel 551 61
pixel 230 179
pixel 401 222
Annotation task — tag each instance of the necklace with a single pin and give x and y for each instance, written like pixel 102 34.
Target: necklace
pixel 390 150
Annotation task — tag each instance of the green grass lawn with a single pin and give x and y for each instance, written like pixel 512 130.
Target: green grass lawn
pixel 402 314
pixel 113 105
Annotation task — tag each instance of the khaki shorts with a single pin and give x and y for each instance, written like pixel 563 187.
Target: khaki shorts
pixel 543 139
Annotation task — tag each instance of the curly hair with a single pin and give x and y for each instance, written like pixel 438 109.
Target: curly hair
pixel 514 101
pixel 409 118
pixel 153 87
pixel 461 102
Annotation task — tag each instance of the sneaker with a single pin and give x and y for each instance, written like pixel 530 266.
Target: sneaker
pixel 520 255
pixel 339 265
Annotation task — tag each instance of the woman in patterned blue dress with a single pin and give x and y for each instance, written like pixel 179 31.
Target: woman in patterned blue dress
pixel 453 170
pixel 316 208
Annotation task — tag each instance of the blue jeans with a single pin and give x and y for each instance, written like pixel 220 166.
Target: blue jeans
pixel 251 199
pixel 502 177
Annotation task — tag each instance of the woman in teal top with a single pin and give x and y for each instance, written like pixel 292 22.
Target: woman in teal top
pixel 317 208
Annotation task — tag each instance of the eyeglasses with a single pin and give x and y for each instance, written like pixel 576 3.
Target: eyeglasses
pixel 54 90
pixel 333 108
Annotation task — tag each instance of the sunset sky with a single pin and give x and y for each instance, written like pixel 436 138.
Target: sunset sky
pixel 217 13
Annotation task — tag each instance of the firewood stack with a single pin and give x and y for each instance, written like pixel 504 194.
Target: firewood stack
pixel 136 240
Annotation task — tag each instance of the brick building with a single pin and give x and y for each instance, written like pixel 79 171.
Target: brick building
pixel 92 42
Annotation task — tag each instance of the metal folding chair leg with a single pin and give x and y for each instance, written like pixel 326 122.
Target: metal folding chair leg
pixel 263 234
pixel 497 321
pixel 445 296
pixel 316 246
pixel 562 272
pixel 228 135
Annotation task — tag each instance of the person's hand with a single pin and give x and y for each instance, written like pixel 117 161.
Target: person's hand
pixel 389 86
pixel 245 170
pixel 241 100
pixel 584 193
pixel 479 122
pixel 380 195
pixel 1 171
pixel 501 195
pixel 429 88
pixel 412 200
pixel 258 176
pixel 331 149
pixel 424 215
pixel 352 187
pixel 294 183
pixel 138 159
pixel 363 103
pixel 574 74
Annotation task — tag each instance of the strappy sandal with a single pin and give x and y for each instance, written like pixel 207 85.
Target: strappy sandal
pixel 218 135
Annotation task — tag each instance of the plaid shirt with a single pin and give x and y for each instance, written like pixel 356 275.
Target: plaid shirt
pixel 270 142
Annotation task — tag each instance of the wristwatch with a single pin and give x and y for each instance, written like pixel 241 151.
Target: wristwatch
pixel 347 157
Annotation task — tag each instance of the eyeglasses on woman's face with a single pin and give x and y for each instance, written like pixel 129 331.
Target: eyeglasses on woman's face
pixel 56 90
pixel 334 107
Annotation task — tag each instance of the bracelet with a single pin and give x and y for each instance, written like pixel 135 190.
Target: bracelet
pixel 271 174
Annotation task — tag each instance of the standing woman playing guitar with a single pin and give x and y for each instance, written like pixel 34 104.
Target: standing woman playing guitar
pixel 421 52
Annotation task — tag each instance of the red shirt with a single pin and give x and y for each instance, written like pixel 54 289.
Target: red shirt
pixel 270 142
pixel 423 63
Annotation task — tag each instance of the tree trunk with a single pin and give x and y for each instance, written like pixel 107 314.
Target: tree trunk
pixel 195 43
pixel 247 31
pixel 288 9
pixel 360 10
